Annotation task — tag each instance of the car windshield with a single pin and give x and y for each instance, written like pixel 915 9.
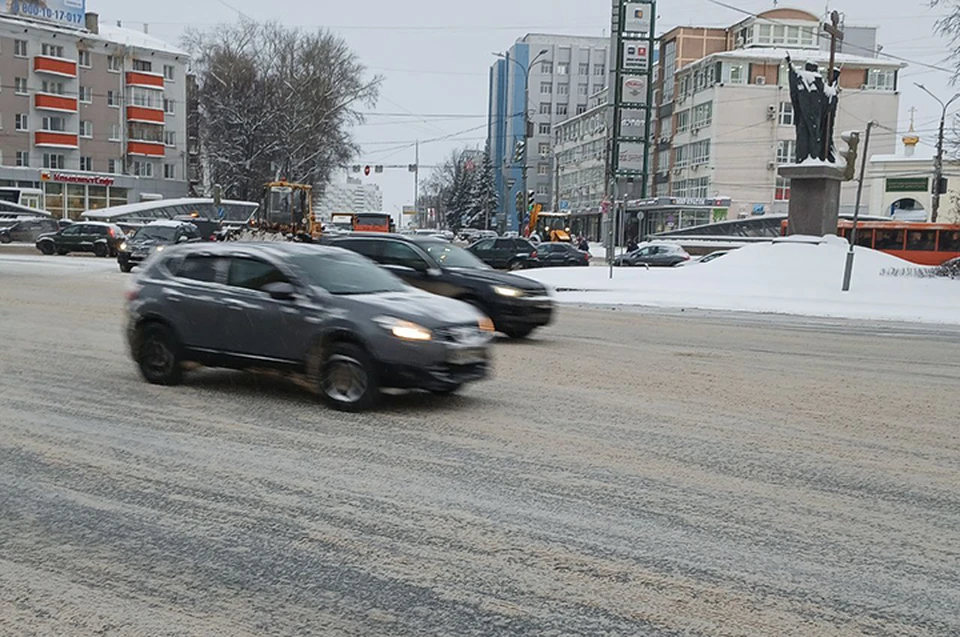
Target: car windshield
pixel 346 273
pixel 159 233
pixel 451 256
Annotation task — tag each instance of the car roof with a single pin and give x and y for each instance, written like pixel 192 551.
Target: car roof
pixel 277 250
pixel 167 223
pixel 407 238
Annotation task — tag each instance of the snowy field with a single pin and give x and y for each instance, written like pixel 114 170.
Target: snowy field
pixel 785 277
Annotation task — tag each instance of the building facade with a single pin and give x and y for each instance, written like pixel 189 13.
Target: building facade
pixel 93 115
pixel 350 197
pixel 901 186
pixel 560 83
pixel 724 117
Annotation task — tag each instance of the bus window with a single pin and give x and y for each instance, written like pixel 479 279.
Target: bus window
pixel 842 232
pixel 949 241
pixel 865 237
pixel 921 240
pixel 888 240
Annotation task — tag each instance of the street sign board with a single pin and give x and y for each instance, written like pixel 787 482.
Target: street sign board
pixel 637 18
pixel 409 210
pixel 631 157
pixel 633 122
pixel 564 204
pixel 634 89
pixel 636 56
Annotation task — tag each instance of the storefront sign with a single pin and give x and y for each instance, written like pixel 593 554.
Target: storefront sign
pixel 633 123
pixel 637 19
pixel 67 178
pixel 63 11
pixel 634 89
pixel 916 184
pixel 631 156
pixel 635 56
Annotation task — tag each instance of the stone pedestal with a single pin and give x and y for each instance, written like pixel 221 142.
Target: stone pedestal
pixel 814 198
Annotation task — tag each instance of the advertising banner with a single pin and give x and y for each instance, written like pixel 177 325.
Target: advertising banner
pixel 638 17
pixel 635 56
pixel 631 156
pixel 633 123
pixel 634 89
pixel 63 11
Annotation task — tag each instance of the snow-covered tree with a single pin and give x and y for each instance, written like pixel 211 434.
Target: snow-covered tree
pixel 483 197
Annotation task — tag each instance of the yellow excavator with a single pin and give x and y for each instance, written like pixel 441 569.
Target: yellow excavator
pixel 286 212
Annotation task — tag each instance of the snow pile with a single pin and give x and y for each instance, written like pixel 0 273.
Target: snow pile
pixel 787 277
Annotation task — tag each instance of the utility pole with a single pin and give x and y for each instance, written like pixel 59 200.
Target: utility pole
pixel 848 268
pixel 938 159
pixel 416 181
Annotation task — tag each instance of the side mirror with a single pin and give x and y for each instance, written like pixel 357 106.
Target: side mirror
pixel 280 290
pixel 183 239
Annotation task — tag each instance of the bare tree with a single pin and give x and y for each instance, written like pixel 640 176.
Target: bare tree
pixel 276 101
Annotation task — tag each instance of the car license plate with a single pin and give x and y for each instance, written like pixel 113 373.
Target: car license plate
pixel 467 356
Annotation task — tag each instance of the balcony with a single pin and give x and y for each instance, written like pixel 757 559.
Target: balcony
pixel 55 139
pixel 146 149
pixel 144 79
pixel 145 115
pixel 59 103
pixel 54 66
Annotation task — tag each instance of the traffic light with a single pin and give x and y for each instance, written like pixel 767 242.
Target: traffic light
pixel 366 171
pixel 520 150
pixel 531 200
pixel 849 154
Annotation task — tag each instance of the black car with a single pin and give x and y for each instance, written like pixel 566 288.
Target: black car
pixel 28 230
pixel 516 305
pixel 102 239
pixel 654 254
pixel 558 254
pixel 506 253
pixel 210 229
pixel 151 237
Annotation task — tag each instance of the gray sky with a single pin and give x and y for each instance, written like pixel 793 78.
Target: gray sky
pixel 434 55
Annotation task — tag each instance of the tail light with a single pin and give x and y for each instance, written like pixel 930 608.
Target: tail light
pixel 533 255
pixel 131 294
pixel 112 233
pixel 213 237
pixel 686 257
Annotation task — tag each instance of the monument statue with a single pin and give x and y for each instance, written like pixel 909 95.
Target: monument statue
pixel 814 110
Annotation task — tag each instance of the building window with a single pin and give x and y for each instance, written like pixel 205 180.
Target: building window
pixel 663 161
pixel 702 115
pixel 51 50
pixel 169 171
pixel 543 149
pixel 584 68
pixel 563 89
pixel 23 158
pixel 882 80
pixel 680 156
pixel 543 188
pixel 20 85
pixel 113 166
pixel 144 97
pixel 20 48
pixel 86 164
pixel 544 128
pixel 86 94
pixel 55 124
pixel 114 132
pixel 546 88
pixel 561 109
pixel 738 74
pixel 544 108
pixel 168 72
pixel 83 59
pixel 113 99
pixel 170 138
pixel 21 122
pixel 543 169
pixel 54 161
pixel 599 69
pixel 86 129
pixel 782 192
pixel 786 114
pixel 582 90
pixel 786 151
pixel 143 65
pixel 114 63
pixel 546 67
pixel 168 106
pixel 581 109
pixel 563 68
pixel 142 169
pixel 700 153
pixel 683 122
pixel 54 88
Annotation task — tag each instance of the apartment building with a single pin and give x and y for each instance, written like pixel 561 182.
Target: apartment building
pixel 349 197
pixel 91 114
pixel 724 116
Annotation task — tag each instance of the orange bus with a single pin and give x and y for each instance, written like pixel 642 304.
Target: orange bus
pixel 921 243
pixel 373 222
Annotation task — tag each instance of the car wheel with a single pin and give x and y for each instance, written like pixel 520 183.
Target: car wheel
pixel 158 355
pixel 101 249
pixel 519 332
pixel 46 248
pixel 5 238
pixel 125 267
pixel 348 381
pixel 446 391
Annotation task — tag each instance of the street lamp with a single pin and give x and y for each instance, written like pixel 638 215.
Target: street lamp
pixel 938 160
pixel 526 107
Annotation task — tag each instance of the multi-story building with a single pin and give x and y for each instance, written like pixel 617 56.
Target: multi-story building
pixel 93 115
pixel 349 197
pixel 724 116
pixel 560 82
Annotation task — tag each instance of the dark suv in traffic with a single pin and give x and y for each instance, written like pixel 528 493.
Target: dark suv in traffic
pixel 102 239
pixel 516 305
pixel 154 236
pixel 28 230
pixel 506 253
pixel 347 324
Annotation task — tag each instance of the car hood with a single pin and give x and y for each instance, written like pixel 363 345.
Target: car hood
pixel 494 277
pixel 146 243
pixel 427 309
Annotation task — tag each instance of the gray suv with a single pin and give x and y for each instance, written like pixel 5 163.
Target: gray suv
pixel 348 325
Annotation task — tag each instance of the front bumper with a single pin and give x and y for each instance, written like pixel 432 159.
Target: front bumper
pixel 452 359
pixel 132 258
pixel 527 311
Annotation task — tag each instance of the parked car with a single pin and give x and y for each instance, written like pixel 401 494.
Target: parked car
pixel 506 253
pixel 516 305
pixel 350 326
pixel 706 258
pixel 210 229
pixel 156 235
pixel 561 254
pixel 654 254
pixel 28 230
pixel 102 239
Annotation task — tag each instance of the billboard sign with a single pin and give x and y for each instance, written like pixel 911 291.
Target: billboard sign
pixel 634 89
pixel 635 56
pixel 637 18
pixel 633 123
pixel 63 11
pixel 631 157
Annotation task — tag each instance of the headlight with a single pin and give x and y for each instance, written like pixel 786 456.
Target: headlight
pixel 123 246
pixel 507 291
pixel 405 330
pixel 485 324
pixel 160 248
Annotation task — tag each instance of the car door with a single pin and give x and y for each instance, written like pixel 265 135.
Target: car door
pixel 550 255
pixel 89 234
pixel 505 251
pixel 69 238
pixel 406 261
pixel 642 256
pixel 255 325
pixel 661 257
pixel 195 297
pixel 484 251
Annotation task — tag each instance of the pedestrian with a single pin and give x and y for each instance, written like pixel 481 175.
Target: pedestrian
pixel 583 244
pixel 632 245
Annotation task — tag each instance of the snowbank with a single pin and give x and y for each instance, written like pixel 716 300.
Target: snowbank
pixel 787 277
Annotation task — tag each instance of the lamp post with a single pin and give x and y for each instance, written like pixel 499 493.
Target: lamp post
pixel 526 109
pixel 938 160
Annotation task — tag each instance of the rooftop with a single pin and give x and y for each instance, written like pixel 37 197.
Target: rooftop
pixel 108 33
pixel 801 56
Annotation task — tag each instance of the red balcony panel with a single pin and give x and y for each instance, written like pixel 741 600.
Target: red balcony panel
pixel 55 103
pixel 147 149
pixel 55 66
pixel 143 114
pixel 149 80
pixel 51 138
